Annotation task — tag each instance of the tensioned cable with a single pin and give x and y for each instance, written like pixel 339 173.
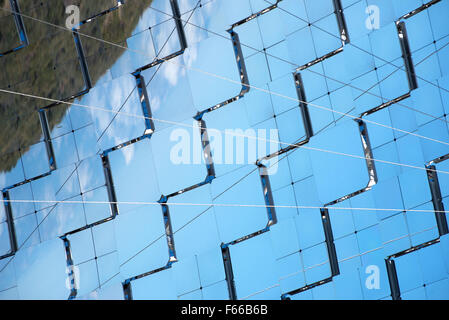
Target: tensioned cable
pixel 225 79
pixel 221 205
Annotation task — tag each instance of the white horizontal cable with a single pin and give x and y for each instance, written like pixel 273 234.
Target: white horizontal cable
pixel 55 202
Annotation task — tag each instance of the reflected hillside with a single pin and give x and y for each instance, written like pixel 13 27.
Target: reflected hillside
pixel 49 66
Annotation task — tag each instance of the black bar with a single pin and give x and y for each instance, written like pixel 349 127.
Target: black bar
pixel 331 251
pixel 286 296
pixel 19 22
pixel 414 248
pixel 109 185
pixel 240 61
pixel 228 271
pixel 393 279
pixel 267 195
pixel 47 139
pixel 207 154
pixel 344 36
pixel 69 260
pixel 145 103
pixel 178 22
pixel 10 222
pixel 420 9
pixel 127 290
pixel 303 105
pixel 168 231
pixel 407 55
pixel 82 60
pixel 255 15
pixel 437 200
pixel 385 105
